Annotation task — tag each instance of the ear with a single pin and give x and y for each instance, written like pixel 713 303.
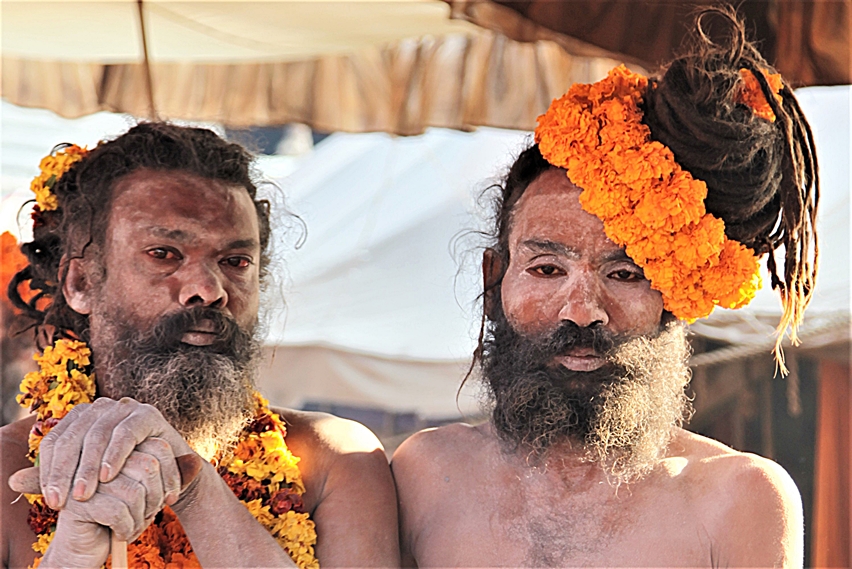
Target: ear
pixel 77 286
pixel 492 275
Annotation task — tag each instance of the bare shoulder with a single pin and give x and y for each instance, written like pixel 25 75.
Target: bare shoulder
pixel 732 471
pixel 15 534
pixel 438 448
pixel 431 455
pixel 349 490
pixel 333 451
pixel 750 503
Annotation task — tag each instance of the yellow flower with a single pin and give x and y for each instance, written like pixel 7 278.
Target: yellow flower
pixel 52 167
pixel 42 542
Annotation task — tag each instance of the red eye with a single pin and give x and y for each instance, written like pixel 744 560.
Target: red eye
pixel 162 254
pixel 238 262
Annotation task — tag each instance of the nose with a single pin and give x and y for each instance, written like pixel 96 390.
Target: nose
pixel 583 302
pixel 202 286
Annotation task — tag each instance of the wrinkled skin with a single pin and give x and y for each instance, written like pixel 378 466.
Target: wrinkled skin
pixel 175 240
pixel 702 505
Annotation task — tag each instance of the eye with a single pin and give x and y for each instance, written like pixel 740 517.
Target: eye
pixel 162 254
pixel 238 261
pixel 627 275
pixel 547 270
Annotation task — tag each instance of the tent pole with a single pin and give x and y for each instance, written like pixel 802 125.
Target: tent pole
pixel 149 84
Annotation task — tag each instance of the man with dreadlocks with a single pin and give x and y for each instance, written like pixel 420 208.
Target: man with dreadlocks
pixel 642 204
pixel 146 265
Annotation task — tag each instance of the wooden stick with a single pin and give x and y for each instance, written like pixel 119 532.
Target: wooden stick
pixel 189 466
pixel 118 552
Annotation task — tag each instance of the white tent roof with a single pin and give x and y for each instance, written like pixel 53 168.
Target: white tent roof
pixel 377 273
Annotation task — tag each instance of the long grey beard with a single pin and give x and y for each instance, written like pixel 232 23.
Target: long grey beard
pixel 206 397
pixel 635 420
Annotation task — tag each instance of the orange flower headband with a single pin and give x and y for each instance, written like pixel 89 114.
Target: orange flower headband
pixel 648 204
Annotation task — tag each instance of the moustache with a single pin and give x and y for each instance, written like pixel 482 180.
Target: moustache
pixel 570 336
pixel 166 334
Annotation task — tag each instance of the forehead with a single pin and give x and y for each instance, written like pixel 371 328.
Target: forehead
pixel 549 210
pixel 175 199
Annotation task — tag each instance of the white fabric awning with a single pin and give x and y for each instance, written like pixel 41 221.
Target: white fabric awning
pixel 211 31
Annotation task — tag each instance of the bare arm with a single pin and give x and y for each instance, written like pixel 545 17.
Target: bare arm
pixel 350 491
pixel 16 537
pixel 762 525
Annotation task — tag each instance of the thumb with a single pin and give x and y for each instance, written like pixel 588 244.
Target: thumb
pixel 26 481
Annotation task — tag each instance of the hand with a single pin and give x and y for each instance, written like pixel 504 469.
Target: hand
pixel 93 443
pixel 126 505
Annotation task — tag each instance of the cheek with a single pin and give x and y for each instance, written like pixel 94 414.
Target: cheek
pixel 527 304
pixel 244 301
pixel 636 311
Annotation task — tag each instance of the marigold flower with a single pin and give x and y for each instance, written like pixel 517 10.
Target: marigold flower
pixel 751 94
pixel 52 167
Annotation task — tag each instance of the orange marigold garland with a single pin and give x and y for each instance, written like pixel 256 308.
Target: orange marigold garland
pixel 648 204
pixel 260 470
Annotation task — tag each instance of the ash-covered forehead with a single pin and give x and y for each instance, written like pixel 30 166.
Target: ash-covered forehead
pixel 181 206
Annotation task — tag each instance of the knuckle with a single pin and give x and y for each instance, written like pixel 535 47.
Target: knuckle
pixel 96 437
pixel 100 403
pixel 149 410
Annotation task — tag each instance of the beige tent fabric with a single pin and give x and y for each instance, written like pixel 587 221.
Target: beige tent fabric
pixel 291 376
pixel 456 81
pixel 214 31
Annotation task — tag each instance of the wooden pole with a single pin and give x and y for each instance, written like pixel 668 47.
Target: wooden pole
pixel 149 84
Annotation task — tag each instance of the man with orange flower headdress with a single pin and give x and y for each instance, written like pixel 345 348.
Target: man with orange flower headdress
pixel 643 204
pixel 147 261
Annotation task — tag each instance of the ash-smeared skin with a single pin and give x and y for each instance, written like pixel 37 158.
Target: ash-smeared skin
pixel 701 505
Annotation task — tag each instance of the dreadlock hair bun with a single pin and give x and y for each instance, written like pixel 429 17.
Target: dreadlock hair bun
pixel 761 176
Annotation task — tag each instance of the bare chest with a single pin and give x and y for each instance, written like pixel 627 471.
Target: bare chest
pixel 533 523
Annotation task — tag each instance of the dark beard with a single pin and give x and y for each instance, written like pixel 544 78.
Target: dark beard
pixel 621 415
pixel 204 392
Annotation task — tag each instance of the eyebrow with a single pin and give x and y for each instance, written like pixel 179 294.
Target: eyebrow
pixel 243 244
pixel 548 246
pixel 173 234
pixel 182 236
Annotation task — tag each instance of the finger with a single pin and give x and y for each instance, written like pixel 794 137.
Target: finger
pixel 106 510
pixel 59 450
pixel 25 480
pixel 96 441
pixel 129 492
pixel 145 469
pixel 45 449
pixel 189 465
pixel 169 470
pixel 67 449
pixel 144 422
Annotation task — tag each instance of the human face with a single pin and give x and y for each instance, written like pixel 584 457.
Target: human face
pixel 174 241
pixel 562 267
